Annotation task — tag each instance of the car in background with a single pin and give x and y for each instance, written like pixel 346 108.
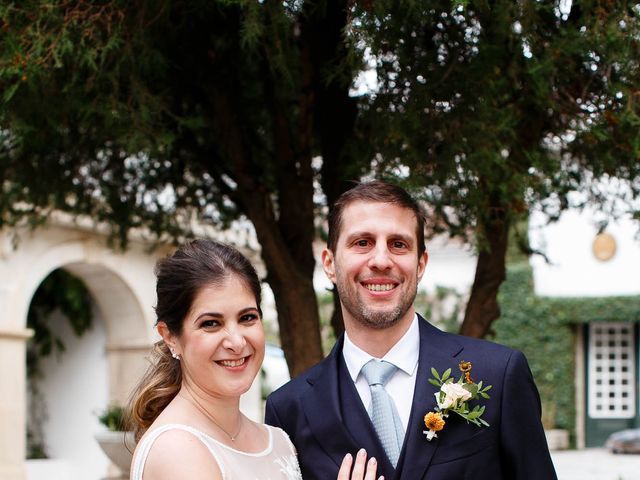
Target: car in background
pixel 624 441
pixel 275 371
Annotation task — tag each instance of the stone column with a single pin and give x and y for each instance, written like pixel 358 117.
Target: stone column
pixel 127 365
pixel 13 401
pixel 581 387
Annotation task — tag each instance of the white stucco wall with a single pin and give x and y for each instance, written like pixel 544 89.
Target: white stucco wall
pixel 122 288
pixel 451 264
pixel 573 269
pixel 75 385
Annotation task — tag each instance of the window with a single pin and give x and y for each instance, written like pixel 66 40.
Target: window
pixel 611 370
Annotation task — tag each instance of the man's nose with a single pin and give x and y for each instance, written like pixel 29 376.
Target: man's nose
pixel 380 258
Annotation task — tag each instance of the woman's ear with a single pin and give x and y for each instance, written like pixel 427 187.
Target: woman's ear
pixel 168 337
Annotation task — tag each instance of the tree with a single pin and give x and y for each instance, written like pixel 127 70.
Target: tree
pixel 497 105
pixel 152 113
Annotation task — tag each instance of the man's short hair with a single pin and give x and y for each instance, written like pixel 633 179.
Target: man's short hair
pixel 379 192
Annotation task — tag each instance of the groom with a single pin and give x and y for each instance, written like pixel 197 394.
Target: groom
pixel 376 256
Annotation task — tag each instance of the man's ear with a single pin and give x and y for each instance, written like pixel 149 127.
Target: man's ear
pixel 328 264
pixel 422 264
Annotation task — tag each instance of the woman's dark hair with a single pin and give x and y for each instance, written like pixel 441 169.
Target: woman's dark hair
pixel 379 192
pixel 180 277
pixel 193 266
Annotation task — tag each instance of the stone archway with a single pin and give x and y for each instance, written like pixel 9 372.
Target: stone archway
pixel 121 284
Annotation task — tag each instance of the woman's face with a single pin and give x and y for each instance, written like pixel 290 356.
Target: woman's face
pixel 222 340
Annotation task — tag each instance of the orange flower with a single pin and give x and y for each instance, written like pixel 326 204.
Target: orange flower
pixel 434 421
pixel 465 367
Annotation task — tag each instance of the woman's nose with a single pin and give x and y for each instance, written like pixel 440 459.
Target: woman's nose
pixel 234 340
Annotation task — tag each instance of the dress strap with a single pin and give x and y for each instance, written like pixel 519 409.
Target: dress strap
pixel 283 436
pixel 137 466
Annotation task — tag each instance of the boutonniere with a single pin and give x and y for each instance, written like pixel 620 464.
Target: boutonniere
pixel 454 397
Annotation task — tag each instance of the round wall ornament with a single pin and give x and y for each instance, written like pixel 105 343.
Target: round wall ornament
pixel 604 246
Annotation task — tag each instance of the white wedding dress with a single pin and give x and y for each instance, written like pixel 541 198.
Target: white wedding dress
pixel 276 462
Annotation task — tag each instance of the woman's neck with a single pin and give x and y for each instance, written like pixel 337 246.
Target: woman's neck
pixel 223 414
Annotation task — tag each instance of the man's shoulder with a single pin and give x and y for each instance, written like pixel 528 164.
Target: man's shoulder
pixel 483 344
pixel 302 382
pixel 470 344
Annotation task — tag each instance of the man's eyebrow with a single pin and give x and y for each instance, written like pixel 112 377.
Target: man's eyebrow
pixel 366 234
pixel 354 235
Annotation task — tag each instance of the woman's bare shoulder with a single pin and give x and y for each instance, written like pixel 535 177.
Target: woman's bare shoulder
pixel 180 453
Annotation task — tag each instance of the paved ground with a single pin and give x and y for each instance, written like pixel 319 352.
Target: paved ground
pixel 595 464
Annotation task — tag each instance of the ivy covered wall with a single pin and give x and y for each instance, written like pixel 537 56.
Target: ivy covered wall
pixel 544 329
pixel 529 324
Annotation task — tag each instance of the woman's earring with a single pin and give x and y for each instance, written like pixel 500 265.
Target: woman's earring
pixel 175 355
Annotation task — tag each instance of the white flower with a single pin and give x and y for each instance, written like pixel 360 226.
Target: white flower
pixel 430 434
pixel 452 393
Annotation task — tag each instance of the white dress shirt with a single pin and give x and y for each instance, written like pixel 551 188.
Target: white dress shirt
pixel 403 355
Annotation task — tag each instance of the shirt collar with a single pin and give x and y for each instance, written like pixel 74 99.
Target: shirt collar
pixel 404 354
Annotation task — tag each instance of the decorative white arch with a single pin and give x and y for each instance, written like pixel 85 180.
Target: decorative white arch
pixel 121 284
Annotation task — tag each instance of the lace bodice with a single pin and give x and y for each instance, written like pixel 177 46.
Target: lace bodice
pixel 277 462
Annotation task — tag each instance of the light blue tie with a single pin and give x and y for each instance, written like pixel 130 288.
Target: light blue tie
pixel 383 412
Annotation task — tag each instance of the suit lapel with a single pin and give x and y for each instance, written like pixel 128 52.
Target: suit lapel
pixel 437 350
pixel 321 404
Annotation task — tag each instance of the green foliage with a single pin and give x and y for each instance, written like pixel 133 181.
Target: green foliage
pixel 35 448
pixel 544 329
pixel 59 290
pixel 157 112
pixel 519 249
pixel 113 418
pixel 528 324
pixel 162 115
pixel 444 308
pixel 122 101
pixel 325 306
pixel 497 104
pixel 95 81
pixel 596 309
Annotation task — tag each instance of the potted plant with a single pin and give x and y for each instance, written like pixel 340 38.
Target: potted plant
pixel 116 443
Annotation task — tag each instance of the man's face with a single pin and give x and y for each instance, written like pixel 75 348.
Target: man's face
pixel 376 266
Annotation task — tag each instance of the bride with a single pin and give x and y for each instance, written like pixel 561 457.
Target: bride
pixel 185 411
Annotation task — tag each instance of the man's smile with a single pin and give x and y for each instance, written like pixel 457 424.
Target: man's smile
pixel 379 287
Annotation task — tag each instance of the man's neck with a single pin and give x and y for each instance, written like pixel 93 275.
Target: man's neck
pixel 377 342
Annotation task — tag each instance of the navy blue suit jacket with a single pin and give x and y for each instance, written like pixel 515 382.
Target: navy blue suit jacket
pixel 324 416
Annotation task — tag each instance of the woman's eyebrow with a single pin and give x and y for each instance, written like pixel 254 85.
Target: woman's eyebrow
pixel 208 314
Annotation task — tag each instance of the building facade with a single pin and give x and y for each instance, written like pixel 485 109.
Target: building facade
pixel 600 267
